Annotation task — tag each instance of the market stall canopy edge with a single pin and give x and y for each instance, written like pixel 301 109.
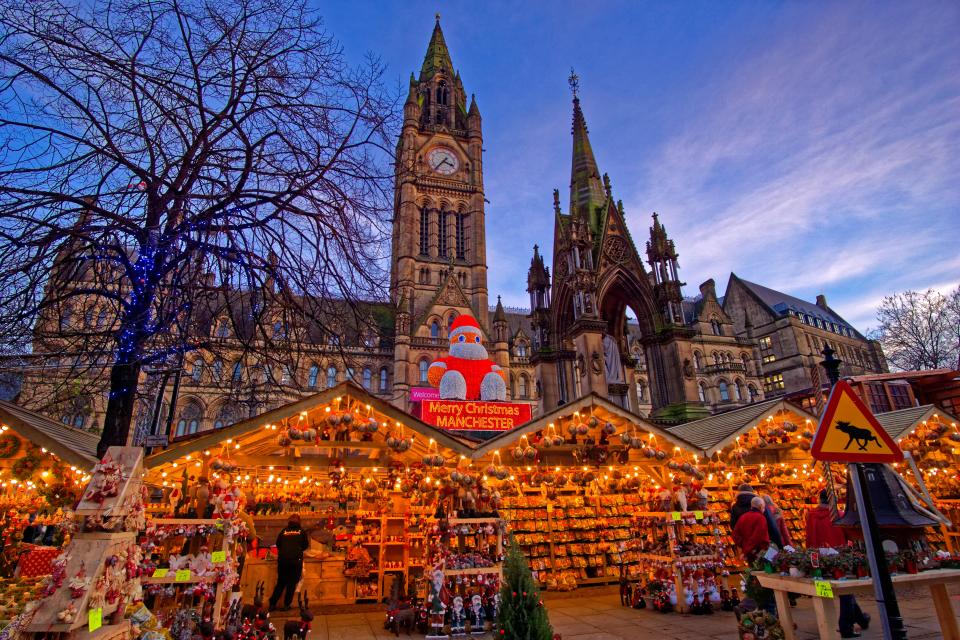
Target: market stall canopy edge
pixel 903 422
pixel 348 389
pixel 713 433
pixel 584 406
pixel 73 446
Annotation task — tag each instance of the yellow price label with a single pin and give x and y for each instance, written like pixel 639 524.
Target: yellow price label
pixel 824 588
pixel 95 618
pixel 160 573
pixel 698 515
pixel 218 556
pixel 183 575
pixel 676 516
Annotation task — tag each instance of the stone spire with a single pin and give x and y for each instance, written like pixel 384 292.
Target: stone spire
pixel 437 57
pixel 586 189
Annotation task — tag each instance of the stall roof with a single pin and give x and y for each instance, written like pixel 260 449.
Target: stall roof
pixel 73 446
pixel 902 422
pixel 585 404
pixel 713 433
pixel 212 439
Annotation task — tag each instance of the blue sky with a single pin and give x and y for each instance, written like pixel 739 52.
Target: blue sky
pixel 813 147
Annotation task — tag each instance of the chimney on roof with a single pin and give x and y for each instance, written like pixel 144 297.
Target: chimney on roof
pixel 821 301
pixel 708 289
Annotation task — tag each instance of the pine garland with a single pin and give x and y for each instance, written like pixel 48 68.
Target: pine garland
pixel 522 614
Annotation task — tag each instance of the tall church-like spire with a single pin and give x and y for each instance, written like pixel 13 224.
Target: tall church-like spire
pixel 437 57
pixel 586 189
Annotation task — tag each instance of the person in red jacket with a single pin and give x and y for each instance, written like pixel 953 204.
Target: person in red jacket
pixel 821 532
pixel 750 533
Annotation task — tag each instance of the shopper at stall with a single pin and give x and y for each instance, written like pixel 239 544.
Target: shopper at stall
pixel 292 541
pixel 823 533
pixel 750 533
pixel 741 505
pixel 775 513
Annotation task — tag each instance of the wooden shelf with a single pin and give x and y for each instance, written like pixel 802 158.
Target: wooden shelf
pixel 472 520
pixel 471 572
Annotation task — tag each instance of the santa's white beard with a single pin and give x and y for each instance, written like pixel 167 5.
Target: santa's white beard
pixel 468 350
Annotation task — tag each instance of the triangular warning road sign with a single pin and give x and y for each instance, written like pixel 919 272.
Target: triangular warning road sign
pixel 849 432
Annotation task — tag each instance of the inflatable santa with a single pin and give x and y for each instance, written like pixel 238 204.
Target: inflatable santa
pixel 467 373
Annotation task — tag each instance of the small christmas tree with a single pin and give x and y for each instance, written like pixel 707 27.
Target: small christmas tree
pixel 522 614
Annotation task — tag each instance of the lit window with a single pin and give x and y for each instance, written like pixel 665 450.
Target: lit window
pixel 766 342
pixel 773 382
pixel 367 378
pixel 769 358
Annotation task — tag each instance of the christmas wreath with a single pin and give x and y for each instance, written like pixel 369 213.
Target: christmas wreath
pixel 25 467
pixel 9 445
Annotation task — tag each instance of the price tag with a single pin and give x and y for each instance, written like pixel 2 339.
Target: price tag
pixel 698 515
pixel 95 618
pixel 183 575
pixel 824 588
pixel 160 573
pixel 218 556
pixel 676 516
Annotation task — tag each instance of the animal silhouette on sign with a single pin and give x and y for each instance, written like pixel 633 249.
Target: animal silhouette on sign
pixel 862 437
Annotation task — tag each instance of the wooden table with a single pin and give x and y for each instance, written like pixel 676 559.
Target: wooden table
pixel 827 609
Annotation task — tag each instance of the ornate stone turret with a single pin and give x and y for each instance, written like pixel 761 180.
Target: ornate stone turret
pixel 662 256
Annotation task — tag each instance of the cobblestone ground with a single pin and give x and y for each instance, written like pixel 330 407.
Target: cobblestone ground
pixel 596 614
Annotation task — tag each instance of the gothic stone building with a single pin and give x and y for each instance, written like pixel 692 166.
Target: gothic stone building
pixel 602 323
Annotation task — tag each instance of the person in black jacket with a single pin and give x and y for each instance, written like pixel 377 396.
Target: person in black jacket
pixel 291 543
pixel 741 505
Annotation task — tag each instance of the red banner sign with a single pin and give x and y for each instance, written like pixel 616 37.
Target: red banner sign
pixel 470 415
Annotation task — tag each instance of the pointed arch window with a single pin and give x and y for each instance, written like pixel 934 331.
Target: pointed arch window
pixel 435 330
pixel 450 319
pixel 752 390
pixel 331 376
pixel 424 231
pixel 196 373
pixel 724 391
pixel 190 418
pixel 522 387
pixel 738 390
pixel 237 371
pixel 367 378
pixel 716 327
pixel 383 380
pixel 702 392
pixel 442 234
pixel 697 361
pixel 312 377
pixel 461 236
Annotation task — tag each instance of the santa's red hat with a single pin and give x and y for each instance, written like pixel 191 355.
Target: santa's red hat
pixel 465 325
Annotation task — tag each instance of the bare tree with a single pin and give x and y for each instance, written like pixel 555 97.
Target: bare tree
pixel 166 165
pixel 920 330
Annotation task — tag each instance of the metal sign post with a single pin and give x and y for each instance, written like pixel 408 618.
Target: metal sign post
pixel 849 432
pixel 882 584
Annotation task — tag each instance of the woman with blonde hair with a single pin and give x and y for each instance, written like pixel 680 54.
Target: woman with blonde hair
pixel 775 515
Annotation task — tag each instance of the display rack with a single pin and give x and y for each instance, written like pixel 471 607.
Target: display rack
pixel 218 540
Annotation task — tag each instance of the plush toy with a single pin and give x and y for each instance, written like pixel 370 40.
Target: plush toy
pixel 680 497
pixel 467 373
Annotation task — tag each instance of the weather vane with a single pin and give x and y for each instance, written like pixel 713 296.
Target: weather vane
pixel 574 81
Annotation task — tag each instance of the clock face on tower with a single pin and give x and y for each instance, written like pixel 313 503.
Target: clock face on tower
pixel 443 161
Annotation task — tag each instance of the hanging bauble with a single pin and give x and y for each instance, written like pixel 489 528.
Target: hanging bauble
pixel 661 454
pixel 582 429
pixel 625 438
pixel 609 428
pixel 687 467
pixel 636 442
pixel 283 440
pixel 333 420
pixel 649 452
pixel 530 453
pixel 593 422
pixel 557 440
pixel 294 433
pixel 347 418
pixel 491 471
pixel 391 442
pixel 310 435
pixel 518 453
pixel 561 480
pixel 572 429
pixel 807 434
pixel 216 464
pixel 546 443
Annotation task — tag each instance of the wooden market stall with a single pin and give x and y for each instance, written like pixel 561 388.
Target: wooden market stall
pixel 349 463
pixel 44 465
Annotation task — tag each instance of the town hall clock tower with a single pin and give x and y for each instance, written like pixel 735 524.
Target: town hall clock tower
pixel 439 268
